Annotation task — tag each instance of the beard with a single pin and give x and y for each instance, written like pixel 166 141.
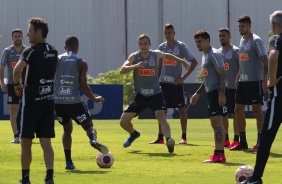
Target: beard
pixel 223 44
pixel 17 43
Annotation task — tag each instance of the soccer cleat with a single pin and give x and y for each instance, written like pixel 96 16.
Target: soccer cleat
pixel 16 140
pixel 100 147
pixel 183 141
pixel 20 182
pixel 70 165
pixel 226 143
pixel 254 149
pixel 170 145
pixel 239 147
pixel 157 141
pixel 234 143
pixel 51 181
pixel 130 140
pixel 250 181
pixel 216 159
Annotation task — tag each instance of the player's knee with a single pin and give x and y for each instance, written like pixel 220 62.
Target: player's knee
pixel 87 125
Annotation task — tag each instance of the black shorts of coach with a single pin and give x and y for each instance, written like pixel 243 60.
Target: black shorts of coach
pixel 213 105
pixel 140 103
pixel 249 93
pixel 78 112
pixel 173 95
pixel 12 97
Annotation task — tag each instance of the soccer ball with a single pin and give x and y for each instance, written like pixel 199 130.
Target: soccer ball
pixel 105 160
pixel 243 173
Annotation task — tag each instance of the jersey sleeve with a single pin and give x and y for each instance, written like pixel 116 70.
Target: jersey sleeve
pixel 4 59
pixel 26 55
pixel 275 43
pixel 217 60
pixel 187 53
pixel 259 47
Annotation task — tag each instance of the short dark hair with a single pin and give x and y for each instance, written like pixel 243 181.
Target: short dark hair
pixel 203 34
pixel 71 42
pixel 168 26
pixel 224 29
pixel 39 23
pixel 244 19
pixel 140 37
pixel 17 30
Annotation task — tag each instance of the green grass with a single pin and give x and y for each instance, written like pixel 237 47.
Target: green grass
pixel 141 163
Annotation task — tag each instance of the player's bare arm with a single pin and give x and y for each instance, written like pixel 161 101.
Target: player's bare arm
pixel 82 68
pixel 194 63
pixel 265 72
pixel 172 57
pixel 17 73
pixel 160 68
pixel 128 65
pixel 195 97
pixel 2 83
pixel 272 68
pixel 222 78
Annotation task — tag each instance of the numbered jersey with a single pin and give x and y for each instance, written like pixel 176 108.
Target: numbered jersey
pixel 10 57
pixel 211 62
pixel 146 80
pixel 251 67
pixel 231 64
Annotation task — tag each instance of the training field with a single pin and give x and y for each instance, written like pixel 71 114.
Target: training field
pixel 141 163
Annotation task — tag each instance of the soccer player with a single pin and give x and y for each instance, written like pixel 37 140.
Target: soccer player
pixel 171 80
pixel 252 80
pixel 37 66
pixel 231 65
pixel 147 88
pixel 214 83
pixel 272 117
pixel 70 77
pixel 10 57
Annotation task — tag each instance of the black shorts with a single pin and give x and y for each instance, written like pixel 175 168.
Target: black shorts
pixel 230 100
pixel 140 103
pixel 12 97
pixel 249 93
pixel 36 118
pixel 213 105
pixel 78 112
pixel 173 95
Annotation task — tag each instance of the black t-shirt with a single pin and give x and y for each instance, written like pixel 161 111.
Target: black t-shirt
pixel 39 73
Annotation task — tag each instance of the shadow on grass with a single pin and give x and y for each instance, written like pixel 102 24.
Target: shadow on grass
pixel 154 154
pixel 275 155
pixel 104 171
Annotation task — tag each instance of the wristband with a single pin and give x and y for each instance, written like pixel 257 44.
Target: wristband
pixel 16 84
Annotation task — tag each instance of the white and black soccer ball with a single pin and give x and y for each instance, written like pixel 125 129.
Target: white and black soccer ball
pixel 105 160
pixel 243 173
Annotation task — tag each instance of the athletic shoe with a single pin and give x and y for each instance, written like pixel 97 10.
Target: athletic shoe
pixel 254 149
pixel 20 182
pixel 130 140
pixel 239 147
pixel 183 141
pixel 100 147
pixel 226 143
pixel 234 143
pixel 157 141
pixel 51 181
pixel 170 145
pixel 250 181
pixel 70 165
pixel 216 159
pixel 16 140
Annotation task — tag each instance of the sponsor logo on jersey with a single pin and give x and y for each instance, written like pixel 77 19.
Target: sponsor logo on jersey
pixel 65 59
pixel 175 51
pixel 43 81
pixel 243 57
pixel 243 77
pixel 147 91
pixel 226 66
pixel 14 63
pixel 67 76
pixel 228 55
pixel 44 90
pixel 168 62
pixel 248 46
pixel 65 82
pixel 168 78
pixel 146 72
pixel 205 72
pixel 65 90
pixel 46 97
pixel 152 62
pixel 81 118
pixel 48 55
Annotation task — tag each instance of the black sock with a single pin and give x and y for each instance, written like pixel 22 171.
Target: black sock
pixel 184 135
pixel 167 138
pixel 243 140
pixel 68 155
pixel 218 152
pixel 161 136
pixel 17 135
pixel 226 137
pixel 236 138
pixel 134 133
pixel 49 174
pixel 25 175
pixel 258 139
pixel 92 136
